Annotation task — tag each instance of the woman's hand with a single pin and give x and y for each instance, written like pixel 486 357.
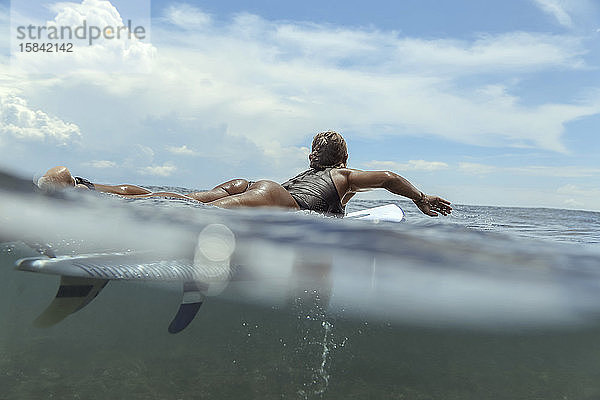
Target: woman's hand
pixel 432 205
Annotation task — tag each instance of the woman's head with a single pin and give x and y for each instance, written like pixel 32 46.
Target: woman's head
pixel 328 151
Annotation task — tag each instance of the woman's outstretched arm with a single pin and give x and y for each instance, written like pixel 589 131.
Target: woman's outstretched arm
pixel 394 183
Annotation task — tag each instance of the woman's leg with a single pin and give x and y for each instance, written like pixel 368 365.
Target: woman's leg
pixel 234 186
pixel 60 177
pixel 123 190
pixel 237 193
pixel 259 194
pixel 158 194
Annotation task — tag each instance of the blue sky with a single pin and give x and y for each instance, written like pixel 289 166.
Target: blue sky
pixel 494 103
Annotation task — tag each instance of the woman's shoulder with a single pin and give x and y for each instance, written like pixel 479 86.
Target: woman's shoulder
pixel 344 171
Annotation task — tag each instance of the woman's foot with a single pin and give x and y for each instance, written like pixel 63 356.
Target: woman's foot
pixel 57 178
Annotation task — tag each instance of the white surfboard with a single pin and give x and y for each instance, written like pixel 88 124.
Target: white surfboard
pixel 388 213
pixel 84 276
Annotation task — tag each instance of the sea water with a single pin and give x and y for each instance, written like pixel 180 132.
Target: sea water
pixel 489 303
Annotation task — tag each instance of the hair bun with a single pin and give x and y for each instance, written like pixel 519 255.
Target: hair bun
pixel 328 151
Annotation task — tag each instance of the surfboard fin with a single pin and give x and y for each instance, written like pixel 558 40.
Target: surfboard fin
pixel 190 304
pixel 73 294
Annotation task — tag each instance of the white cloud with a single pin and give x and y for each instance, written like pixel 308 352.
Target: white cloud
pixel 573 203
pixel 411 165
pixel 123 54
pixel 96 12
pixel 271 81
pixel 181 150
pixel 582 197
pixel 100 164
pixel 518 51
pixel 19 121
pixel 186 16
pixel 575 15
pixel 567 171
pixel 556 8
pixel 577 191
pixel 166 169
pixel 559 172
pixel 297 78
pixel 485 54
pixel 476 168
pixel 145 152
pixel 423 165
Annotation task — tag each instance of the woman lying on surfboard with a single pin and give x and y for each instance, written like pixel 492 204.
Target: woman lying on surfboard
pixel 325 187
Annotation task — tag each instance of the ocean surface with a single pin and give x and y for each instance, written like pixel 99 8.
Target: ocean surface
pixel 489 303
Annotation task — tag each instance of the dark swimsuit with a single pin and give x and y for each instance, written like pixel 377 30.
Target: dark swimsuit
pixel 85 182
pixel 314 190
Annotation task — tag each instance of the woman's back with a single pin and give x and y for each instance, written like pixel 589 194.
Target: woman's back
pixel 315 190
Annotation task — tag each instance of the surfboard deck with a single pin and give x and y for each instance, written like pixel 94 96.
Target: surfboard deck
pixel 387 213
